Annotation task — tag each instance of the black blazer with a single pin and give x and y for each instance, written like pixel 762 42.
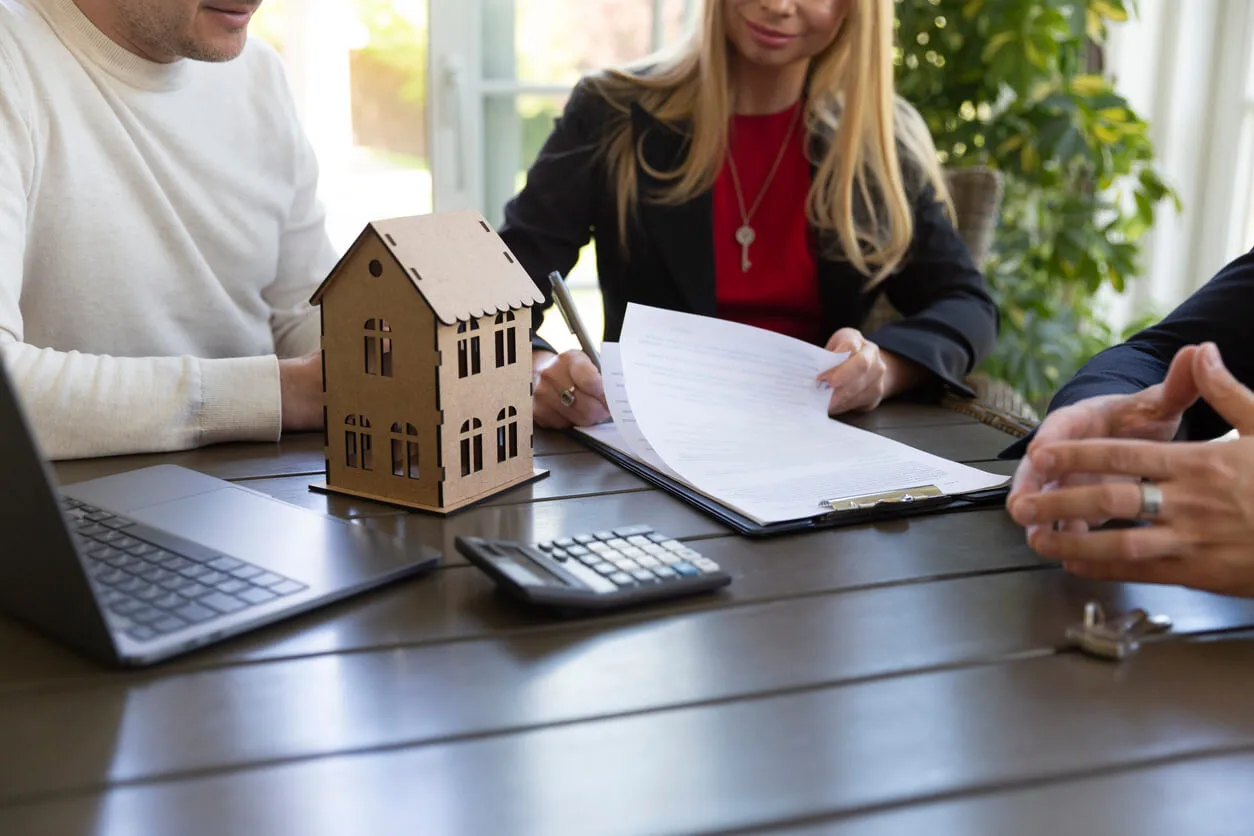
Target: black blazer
pixel 950 322
pixel 1222 312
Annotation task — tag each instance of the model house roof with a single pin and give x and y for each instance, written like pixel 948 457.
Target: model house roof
pixel 456 261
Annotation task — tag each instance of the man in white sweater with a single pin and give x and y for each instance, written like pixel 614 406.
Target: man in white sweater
pixel 160 233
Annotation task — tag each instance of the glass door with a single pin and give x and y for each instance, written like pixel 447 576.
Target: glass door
pixel 415 105
pixel 358 71
pixel 505 69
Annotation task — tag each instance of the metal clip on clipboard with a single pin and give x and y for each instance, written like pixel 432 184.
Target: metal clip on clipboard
pixel 923 493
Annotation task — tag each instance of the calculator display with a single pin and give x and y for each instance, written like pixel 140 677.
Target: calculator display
pixel 521 562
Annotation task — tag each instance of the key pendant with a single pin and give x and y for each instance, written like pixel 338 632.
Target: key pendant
pixel 744 237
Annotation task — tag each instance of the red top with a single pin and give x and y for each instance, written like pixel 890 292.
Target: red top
pixel 780 290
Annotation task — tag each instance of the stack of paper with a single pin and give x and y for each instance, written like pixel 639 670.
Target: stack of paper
pixel 736 414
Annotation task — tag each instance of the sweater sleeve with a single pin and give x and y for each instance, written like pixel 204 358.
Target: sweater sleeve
pixel 949 319
pixel 86 405
pixel 305 252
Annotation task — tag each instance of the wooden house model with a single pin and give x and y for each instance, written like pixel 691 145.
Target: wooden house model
pixel 426 362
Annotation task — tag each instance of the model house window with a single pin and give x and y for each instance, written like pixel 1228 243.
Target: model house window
pixel 405 451
pixel 468 349
pixel 507 434
pixel 378 347
pixel 472 446
pixel 506 352
pixel 357 447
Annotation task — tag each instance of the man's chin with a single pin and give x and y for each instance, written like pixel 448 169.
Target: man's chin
pixel 216 49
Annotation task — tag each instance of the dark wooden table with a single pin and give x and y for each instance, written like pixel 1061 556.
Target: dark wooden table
pixel 907 677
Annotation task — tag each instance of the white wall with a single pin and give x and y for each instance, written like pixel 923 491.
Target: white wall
pixel 1183 66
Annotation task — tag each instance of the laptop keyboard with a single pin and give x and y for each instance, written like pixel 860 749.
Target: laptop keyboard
pixel 151 584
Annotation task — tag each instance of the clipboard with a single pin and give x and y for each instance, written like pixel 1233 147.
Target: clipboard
pixel 906 502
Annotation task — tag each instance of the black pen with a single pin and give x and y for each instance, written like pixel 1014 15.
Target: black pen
pixel 561 297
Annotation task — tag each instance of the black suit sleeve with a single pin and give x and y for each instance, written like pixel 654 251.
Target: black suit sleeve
pixel 1222 312
pixel 551 219
pixel 949 320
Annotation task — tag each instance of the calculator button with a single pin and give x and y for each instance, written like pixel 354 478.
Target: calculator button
pixel 648 562
pixel 617 543
pixel 604 535
pixel 688 553
pixel 657 538
pixel 632 552
pixel 623 579
pixel 632 530
pixel 576 551
pixel 546 546
pixel 669 558
pixel 606 569
pixel 643 575
pixel 559 554
pixel 590 559
pixel 584 539
pixel 639 541
pixel 267 579
pixel 705 564
pixel 672 545
pixel 626 565
pixel 243 573
pixel 686 569
pixel 599 548
pixel 665 572
pixel 563 542
pixel 593 580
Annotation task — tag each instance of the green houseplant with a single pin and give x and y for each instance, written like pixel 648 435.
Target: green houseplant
pixel 1014 85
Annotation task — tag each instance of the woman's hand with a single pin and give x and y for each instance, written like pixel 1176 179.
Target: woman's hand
pixel 1203 536
pixel 869 376
pixel 573 375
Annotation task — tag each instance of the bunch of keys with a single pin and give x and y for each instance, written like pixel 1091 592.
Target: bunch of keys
pixel 1118 638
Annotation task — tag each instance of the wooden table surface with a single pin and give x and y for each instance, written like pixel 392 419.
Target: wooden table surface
pixel 907 677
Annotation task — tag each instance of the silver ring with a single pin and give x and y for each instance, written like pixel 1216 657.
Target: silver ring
pixel 567 396
pixel 1151 500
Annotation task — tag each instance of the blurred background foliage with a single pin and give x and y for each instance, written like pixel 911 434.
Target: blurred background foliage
pixel 1016 85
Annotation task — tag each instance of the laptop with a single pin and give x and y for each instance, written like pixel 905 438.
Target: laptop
pixel 137 567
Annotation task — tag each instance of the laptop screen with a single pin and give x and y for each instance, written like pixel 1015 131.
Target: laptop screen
pixel 42 580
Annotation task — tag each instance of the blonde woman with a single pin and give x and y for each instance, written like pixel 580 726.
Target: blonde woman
pixel 765 173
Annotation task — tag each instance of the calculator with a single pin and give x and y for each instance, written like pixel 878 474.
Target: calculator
pixel 600 571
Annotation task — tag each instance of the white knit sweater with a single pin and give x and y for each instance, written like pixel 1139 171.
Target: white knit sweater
pixel 160 236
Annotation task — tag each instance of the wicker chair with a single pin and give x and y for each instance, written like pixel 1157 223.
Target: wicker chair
pixel 977 194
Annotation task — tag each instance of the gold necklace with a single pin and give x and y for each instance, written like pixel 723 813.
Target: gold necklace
pixel 745 234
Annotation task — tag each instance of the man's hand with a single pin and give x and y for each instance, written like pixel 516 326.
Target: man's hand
pixel 575 374
pixel 300 386
pixel 869 376
pixel 1153 414
pixel 1203 537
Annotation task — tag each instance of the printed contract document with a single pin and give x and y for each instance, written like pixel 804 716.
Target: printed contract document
pixel 735 413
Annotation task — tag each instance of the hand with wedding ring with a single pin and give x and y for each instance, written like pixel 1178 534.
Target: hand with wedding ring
pixel 1153 414
pixel 1196 498
pixel 568 390
pixel 869 376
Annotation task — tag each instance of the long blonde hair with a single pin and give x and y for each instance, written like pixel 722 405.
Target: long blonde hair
pixel 859 191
